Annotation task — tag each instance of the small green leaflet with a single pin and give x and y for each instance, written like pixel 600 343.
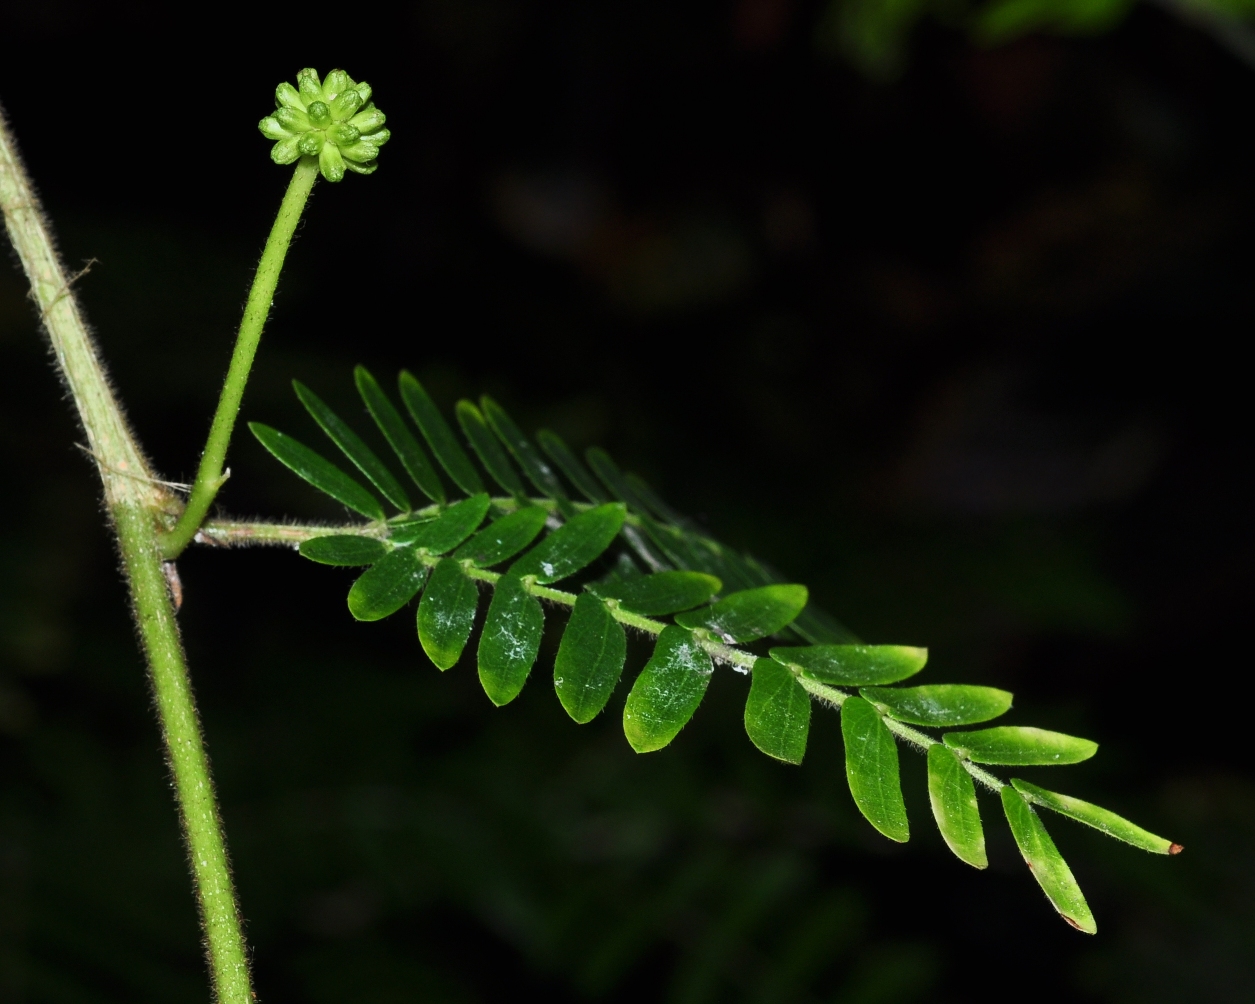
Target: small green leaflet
pixel 871 766
pixel 581 540
pixel 590 659
pixel 489 451
pixel 668 690
pixel 1097 817
pixel 438 435
pixel 940 704
pixel 446 613
pixel 749 614
pixel 569 463
pixel 352 446
pixel 387 585
pixel 343 549
pixel 539 473
pixel 1020 746
pixel 510 640
pixel 606 469
pixel 662 593
pixel 953 798
pixel 504 539
pixel 321 473
pixel 447 530
pixel 777 712
pixel 854 665
pixel 1046 863
pixel 398 435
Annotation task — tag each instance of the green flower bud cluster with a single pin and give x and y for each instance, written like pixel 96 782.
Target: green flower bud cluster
pixel 333 120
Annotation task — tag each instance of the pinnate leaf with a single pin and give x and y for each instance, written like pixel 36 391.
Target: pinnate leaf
pixel 854 665
pixel 590 659
pixel 661 593
pixel 1020 746
pixel 387 585
pixel 1046 863
pixel 489 451
pixel 504 539
pixel 343 549
pixel 446 613
pixel 953 798
pixel 777 712
pixel 447 530
pixel 318 471
pixel 352 446
pixel 871 767
pixel 1097 817
pixel 510 640
pixel 439 436
pixel 575 544
pixel 940 704
pixel 668 690
pixel 398 435
pixel 749 614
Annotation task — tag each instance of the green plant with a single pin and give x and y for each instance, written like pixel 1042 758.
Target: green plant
pixel 626 560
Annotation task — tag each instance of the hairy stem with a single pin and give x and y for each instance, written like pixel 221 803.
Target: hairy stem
pixel 210 476
pixel 135 502
pixel 185 747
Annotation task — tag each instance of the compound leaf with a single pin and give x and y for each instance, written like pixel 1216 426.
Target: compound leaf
pixel 539 473
pixel 510 639
pixel 438 435
pixel 489 451
pixel 575 544
pixel 749 614
pixel 854 665
pixel 352 446
pixel 1046 863
pixel 871 766
pixel 318 471
pixel 387 585
pixel 398 435
pixel 447 530
pixel 505 538
pixel 1097 817
pixel 1020 746
pixel 940 704
pixel 570 465
pixel 668 690
pixel 446 613
pixel 590 659
pixel 953 798
pixel 777 712
pixel 343 549
pixel 661 593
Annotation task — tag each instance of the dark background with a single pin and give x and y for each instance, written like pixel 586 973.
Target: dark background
pixel 959 351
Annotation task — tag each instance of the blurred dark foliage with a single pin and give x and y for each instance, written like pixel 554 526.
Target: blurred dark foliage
pixel 957 351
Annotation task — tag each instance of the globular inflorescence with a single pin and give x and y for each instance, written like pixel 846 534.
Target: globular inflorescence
pixel 332 119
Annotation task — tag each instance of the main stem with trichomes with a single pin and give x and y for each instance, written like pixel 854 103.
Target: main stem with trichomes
pixel 139 507
pixel 210 476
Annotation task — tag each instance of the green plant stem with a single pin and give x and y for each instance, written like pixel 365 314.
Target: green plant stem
pixel 210 476
pixel 135 501
pixel 185 747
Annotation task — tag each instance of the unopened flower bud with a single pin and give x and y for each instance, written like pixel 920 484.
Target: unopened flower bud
pixel 332 119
